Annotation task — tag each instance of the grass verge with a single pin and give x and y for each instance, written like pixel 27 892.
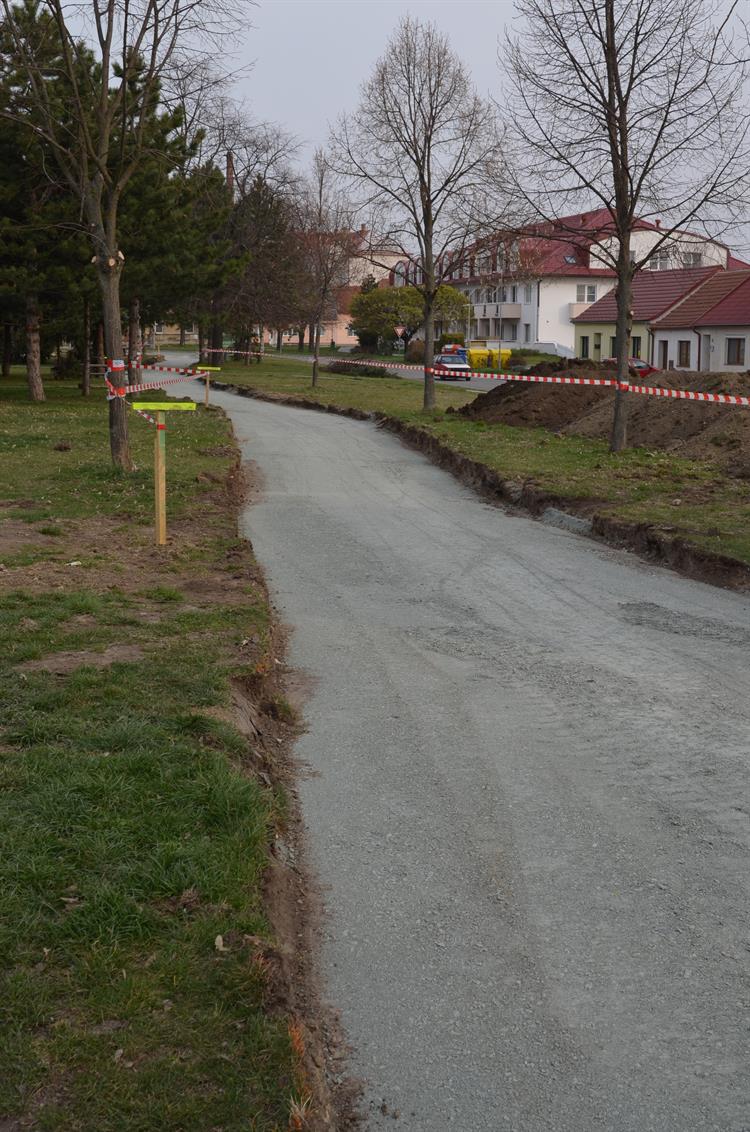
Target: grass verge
pixel 137 989
pixel 690 499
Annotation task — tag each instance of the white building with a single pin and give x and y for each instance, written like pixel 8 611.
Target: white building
pixel 526 291
pixel 708 330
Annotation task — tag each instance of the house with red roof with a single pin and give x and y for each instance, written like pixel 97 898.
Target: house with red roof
pixel 527 288
pixel 708 329
pixel 654 293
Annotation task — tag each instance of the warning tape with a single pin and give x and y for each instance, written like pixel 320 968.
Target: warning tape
pixel 613 383
pixel 143 413
pixel 689 395
pixel 599 382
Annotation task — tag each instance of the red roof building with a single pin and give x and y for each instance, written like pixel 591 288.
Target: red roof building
pixel 709 329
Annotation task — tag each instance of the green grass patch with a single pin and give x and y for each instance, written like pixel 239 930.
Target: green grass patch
pixel 131 836
pixel 370 394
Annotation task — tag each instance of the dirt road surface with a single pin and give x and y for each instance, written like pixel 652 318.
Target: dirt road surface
pixel 528 797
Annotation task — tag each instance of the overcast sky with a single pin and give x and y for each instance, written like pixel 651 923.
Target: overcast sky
pixel 311 55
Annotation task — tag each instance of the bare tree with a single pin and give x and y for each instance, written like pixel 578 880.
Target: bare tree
pixel 110 87
pixel 327 244
pixel 636 105
pixel 425 153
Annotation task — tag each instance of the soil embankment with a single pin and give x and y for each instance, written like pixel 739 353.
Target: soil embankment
pixel 696 430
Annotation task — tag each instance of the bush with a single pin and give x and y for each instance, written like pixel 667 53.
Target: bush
pixel 415 351
pixel 355 370
pixel 450 339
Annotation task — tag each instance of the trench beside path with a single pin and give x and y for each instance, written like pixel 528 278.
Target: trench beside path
pixel 527 800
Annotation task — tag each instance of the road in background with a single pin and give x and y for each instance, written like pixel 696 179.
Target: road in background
pixel 527 797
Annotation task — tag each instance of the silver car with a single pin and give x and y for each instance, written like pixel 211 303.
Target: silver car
pixel 453 367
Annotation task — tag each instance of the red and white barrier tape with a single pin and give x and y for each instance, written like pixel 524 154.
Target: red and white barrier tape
pixel 600 382
pixel 124 390
pixel 613 383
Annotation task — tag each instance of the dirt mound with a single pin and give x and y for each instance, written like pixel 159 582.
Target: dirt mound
pixel 692 429
pixel 543 406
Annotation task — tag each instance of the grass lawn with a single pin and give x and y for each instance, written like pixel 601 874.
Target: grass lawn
pixel 690 498
pixel 135 831
pixel 371 394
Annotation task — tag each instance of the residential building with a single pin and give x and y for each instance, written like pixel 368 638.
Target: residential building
pixel 709 329
pixel 654 293
pixel 527 289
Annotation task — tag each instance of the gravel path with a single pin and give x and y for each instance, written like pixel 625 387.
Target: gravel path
pixel 528 804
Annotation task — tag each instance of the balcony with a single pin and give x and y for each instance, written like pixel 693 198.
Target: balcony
pixel 510 311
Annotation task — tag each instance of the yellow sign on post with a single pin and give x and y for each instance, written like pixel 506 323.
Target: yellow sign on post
pixel 206 370
pixel 160 459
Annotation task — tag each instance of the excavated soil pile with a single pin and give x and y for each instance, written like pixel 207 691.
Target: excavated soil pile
pixel 691 429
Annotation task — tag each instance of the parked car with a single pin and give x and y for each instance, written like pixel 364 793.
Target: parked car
pixel 454 367
pixel 643 369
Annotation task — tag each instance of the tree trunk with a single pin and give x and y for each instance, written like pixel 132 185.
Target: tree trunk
pixel 217 339
pixel 100 355
pixel 316 355
pixel 278 341
pixel 619 437
pixel 86 379
pixel 7 348
pixel 311 337
pixel 429 350
pixel 33 350
pixel 201 345
pixel 134 342
pixel 182 335
pixel 109 283
pixel 301 340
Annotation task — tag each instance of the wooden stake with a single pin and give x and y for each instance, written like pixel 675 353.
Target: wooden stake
pixel 160 480
pixel 208 382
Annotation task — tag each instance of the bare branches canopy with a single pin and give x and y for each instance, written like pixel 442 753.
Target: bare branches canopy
pixel 636 107
pixel 423 154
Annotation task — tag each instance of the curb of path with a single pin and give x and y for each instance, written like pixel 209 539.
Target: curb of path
pixel 642 538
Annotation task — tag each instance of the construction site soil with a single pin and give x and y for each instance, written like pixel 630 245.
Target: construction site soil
pixel 697 430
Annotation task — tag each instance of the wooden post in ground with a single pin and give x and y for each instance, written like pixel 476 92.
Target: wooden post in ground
pixel 160 456
pixel 208 383
pixel 160 480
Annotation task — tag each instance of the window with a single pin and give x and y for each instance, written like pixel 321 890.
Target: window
pixel 586 293
pixel 683 354
pixel 613 347
pixel 598 343
pixel 514 294
pixel 660 260
pixel 693 259
pixel 584 345
pixel 635 346
pixel 527 293
pixel 735 351
pixel 502 294
pixel 527 332
pixel 509 331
